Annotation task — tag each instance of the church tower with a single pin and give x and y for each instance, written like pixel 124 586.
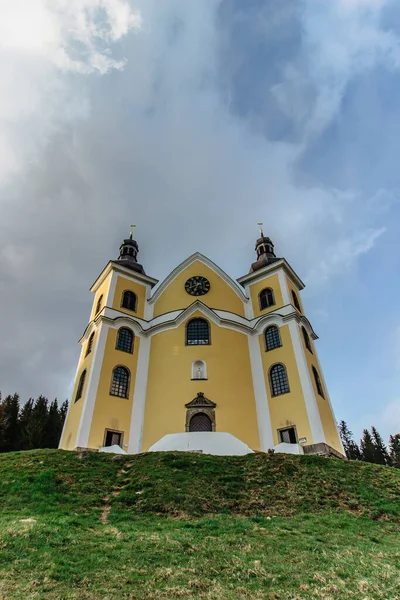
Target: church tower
pixel 200 354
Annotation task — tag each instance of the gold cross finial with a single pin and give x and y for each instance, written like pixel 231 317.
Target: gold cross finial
pixel 261 229
pixel 131 231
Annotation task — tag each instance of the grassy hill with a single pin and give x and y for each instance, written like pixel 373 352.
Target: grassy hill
pixel 173 525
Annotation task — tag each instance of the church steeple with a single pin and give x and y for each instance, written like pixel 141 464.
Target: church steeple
pixel 128 252
pixel 265 251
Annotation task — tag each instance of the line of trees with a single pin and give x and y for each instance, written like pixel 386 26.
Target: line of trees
pixel 371 447
pixel 36 424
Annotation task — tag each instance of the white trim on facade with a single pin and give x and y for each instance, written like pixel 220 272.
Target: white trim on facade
pixel 260 395
pixel 284 287
pixel 139 397
pixel 197 256
pixel 111 289
pixel 125 271
pixel 310 400
pixel 71 400
pixel 89 399
pixel 259 275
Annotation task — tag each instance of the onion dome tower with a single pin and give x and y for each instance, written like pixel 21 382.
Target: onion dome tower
pixel 265 252
pixel 128 252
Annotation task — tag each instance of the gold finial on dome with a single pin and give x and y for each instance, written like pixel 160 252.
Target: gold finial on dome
pixel 131 231
pixel 261 229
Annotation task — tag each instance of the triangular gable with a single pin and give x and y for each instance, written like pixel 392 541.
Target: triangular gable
pixel 197 256
pixel 200 401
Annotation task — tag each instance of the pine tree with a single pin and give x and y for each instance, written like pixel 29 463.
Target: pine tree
pixel 350 446
pixel 38 422
pixel 381 453
pixel 25 426
pixel 53 426
pixel 367 447
pixel 9 427
pixel 394 448
pixel 63 412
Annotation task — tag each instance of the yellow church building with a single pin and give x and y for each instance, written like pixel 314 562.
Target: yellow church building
pixel 201 353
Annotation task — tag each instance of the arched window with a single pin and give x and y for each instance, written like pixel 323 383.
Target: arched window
pixel 99 303
pixel 306 340
pixel 318 382
pixel 90 344
pixel 199 370
pixel 266 298
pixel 125 339
pixel 296 300
pixel 278 380
pixel 200 422
pixel 129 300
pixel 272 338
pixel 120 382
pixel 197 332
pixel 81 383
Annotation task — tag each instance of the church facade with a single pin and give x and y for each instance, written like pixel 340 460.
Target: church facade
pixel 200 353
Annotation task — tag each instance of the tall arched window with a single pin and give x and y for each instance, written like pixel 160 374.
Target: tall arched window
pixel 120 382
pixel 306 340
pixel 318 382
pixel 278 380
pixel 99 303
pixel 90 344
pixel 272 338
pixel 296 300
pixel 197 332
pixel 81 383
pixel 200 422
pixel 129 300
pixel 199 370
pixel 266 298
pixel 125 339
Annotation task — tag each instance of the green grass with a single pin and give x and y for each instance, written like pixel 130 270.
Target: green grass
pixel 173 525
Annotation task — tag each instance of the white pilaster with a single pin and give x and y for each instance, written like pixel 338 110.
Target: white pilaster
pixel 284 287
pixel 248 306
pixel 111 290
pixel 89 399
pixel 139 397
pixel 310 400
pixel 71 401
pixel 260 394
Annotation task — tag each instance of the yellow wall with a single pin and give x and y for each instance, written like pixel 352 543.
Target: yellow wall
pixel 269 282
pixel 289 409
pixel 102 291
pixel 139 289
pixel 221 295
pixel 328 421
pixel 229 384
pixel 293 288
pixel 112 412
pixel 74 415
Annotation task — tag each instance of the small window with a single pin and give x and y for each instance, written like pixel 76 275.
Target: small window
pixel 200 422
pixel 288 435
pixel 266 298
pixel 112 438
pixel 278 380
pixel 296 300
pixel 199 370
pixel 125 339
pixel 306 340
pixel 197 332
pixel 120 382
pixel 81 383
pixel 272 338
pixel 99 303
pixel 318 382
pixel 129 300
pixel 90 344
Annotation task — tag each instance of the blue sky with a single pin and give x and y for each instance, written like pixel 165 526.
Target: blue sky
pixel 196 120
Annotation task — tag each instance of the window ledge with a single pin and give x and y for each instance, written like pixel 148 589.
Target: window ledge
pixel 199 379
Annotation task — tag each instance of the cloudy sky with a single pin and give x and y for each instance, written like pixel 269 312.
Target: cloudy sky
pixel 196 119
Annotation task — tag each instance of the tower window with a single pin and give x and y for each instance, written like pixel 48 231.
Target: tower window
pixel 199 370
pixel 272 338
pixel 288 435
pixel 197 332
pixel 129 300
pixel 120 382
pixel 296 300
pixel 278 380
pixel 90 344
pixel 266 298
pixel 200 422
pixel 81 383
pixel 98 305
pixel 318 382
pixel 306 340
pixel 125 340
